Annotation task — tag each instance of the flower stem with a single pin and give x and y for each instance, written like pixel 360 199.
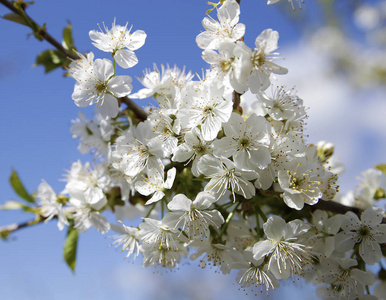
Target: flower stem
pixel 229 219
pixel 261 213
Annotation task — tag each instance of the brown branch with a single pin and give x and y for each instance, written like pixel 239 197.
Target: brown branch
pixel 5 231
pixel 44 34
pixel 139 112
pixel 236 100
pixel 338 208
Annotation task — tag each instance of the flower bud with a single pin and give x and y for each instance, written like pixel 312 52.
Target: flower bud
pixel 324 150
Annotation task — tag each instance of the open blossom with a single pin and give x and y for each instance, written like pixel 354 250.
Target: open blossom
pixel 207 108
pixel 345 281
pixel 166 130
pixel 87 184
pixel 227 28
pixel 120 43
pixel 50 207
pixel 246 141
pixel 367 188
pixel 127 238
pixel 194 217
pixel 85 216
pixel 164 86
pixel 286 256
pixel 137 150
pixel 368 232
pixel 224 175
pixel 262 61
pixel 93 134
pixel 229 64
pixel 154 184
pixel 305 181
pixel 254 273
pixel 192 149
pixel 283 104
pixel 216 255
pixel 96 83
pixel 155 234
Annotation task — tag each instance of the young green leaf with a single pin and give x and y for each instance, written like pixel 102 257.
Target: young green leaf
pixel 50 59
pixel 18 187
pixel 14 18
pixel 68 41
pixel 70 246
pixel 381 168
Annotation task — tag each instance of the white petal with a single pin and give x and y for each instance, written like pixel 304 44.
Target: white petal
pixel 274 228
pixel 158 195
pixel 99 222
pixel 261 249
pixel 370 251
pixel 109 108
pixel 137 40
pixel 120 86
pixel 180 202
pixel 125 58
pixel 171 175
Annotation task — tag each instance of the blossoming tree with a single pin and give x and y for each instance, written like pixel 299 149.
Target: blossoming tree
pixel 210 176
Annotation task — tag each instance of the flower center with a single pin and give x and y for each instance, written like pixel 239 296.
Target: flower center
pixel 258 59
pixel 101 87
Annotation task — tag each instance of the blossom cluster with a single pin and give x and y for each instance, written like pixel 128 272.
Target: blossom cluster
pixel 213 176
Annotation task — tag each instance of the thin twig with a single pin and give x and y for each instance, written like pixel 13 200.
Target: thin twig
pixel 139 112
pixel 338 208
pixel 44 34
pixel 13 227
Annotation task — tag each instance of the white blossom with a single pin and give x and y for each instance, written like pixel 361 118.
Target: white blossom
pixel 87 184
pixel 262 61
pixel 154 184
pixel 205 107
pixel 192 149
pixel 194 217
pixel 224 175
pixel 368 232
pixel 97 83
pixel 128 239
pixel 50 204
pixel 120 42
pixel 246 141
pixel 227 28
pixel 286 256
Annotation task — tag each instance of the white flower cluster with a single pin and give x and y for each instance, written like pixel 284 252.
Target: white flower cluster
pixel 233 187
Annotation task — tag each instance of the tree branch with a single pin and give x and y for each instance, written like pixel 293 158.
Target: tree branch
pixel 140 113
pixel 5 231
pixel 338 208
pixel 45 35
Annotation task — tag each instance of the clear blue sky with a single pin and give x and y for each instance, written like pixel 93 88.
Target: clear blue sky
pixel 35 115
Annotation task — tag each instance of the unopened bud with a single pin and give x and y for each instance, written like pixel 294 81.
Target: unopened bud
pixel 379 194
pixel 324 150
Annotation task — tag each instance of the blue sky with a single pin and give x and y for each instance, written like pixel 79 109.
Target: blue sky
pixel 35 119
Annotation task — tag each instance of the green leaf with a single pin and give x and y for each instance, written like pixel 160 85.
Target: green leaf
pixel 70 246
pixel 67 37
pixel 19 188
pixel 381 168
pixel 50 59
pixel 15 18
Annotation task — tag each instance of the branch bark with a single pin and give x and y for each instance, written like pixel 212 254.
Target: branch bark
pixel 43 33
pixel 8 229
